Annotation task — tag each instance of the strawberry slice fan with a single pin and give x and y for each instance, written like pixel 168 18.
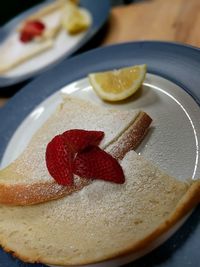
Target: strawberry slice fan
pixel 78 152
pixel 30 30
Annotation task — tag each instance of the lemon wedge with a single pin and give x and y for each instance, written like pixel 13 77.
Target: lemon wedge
pixel 118 84
pixel 75 19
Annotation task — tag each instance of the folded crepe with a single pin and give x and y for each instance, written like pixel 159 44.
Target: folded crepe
pixel 27 181
pixel 99 220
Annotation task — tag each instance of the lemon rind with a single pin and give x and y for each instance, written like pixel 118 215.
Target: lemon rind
pixel 121 96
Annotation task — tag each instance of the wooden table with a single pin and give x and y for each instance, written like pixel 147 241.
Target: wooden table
pixel 170 20
pixel 3 100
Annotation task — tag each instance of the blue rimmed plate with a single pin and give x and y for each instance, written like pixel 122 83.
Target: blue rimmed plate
pixel 170 94
pixel 64 45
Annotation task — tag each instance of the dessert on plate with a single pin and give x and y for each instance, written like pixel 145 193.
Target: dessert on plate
pixel 38 32
pixel 28 173
pixel 81 195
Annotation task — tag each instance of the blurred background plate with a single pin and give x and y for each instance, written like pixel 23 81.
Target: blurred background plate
pixel 64 45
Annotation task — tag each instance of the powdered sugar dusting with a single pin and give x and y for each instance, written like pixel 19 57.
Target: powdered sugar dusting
pixel 101 219
pixel 108 199
pixel 72 114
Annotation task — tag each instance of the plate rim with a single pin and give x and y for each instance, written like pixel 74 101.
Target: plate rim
pixel 14 106
pixel 95 27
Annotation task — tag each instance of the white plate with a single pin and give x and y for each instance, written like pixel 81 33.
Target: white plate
pixel 172 142
pixel 64 44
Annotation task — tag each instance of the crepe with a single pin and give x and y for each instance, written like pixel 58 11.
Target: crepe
pixel 102 221
pixel 27 181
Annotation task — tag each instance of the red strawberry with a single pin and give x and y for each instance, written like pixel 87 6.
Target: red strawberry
pixel 26 37
pixel 59 160
pixel 34 27
pixel 31 29
pixel 81 139
pixel 76 151
pixel 94 163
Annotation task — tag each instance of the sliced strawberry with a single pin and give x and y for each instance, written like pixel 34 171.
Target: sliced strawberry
pixel 31 29
pixel 26 37
pixel 81 139
pixel 59 160
pixel 76 151
pixel 34 27
pixel 94 163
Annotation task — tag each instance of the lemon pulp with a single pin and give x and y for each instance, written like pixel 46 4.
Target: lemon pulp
pixel 118 84
pixel 75 19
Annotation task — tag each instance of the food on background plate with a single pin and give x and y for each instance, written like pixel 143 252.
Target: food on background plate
pixel 11 58
pixel 116 85
pixel 31 29
pixel 49 16
pixel 27 180
pixel 75 20
pixel 53 15
pixel 38 32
